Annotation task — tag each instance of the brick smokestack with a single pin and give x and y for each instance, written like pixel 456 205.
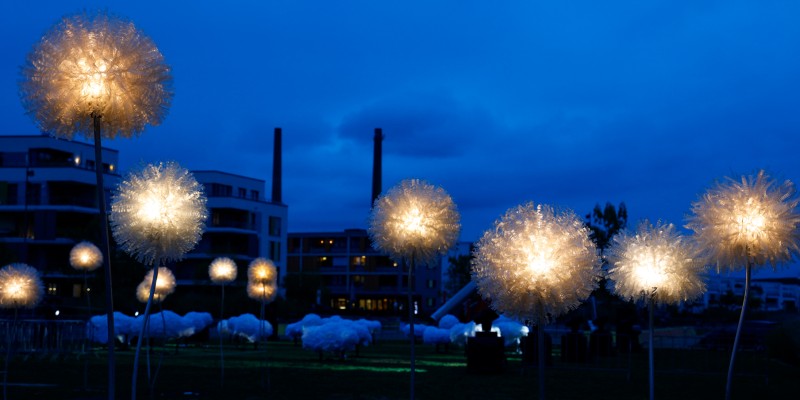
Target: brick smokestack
pixel 377 162
pixel 277 171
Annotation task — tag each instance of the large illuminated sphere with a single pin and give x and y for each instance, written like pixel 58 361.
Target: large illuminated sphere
pixel 535 262
pixel 85 256
pixel 165 285
pixel 752 220
pixel 158 214
pixel 95 65
pixel 414 218
pixel 264 293
pixel 222 270
pixel 20 286
pixel 655 261
pixel 262 271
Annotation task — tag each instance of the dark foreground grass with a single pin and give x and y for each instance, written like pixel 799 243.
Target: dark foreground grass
pixel 381 372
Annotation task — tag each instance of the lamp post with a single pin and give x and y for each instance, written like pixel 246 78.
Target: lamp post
pixel 414 221
pixel 657 265
pixel 747 223
pixel 98 75
pixel 262 286
pixel 158 214
pixel 535 264
pixel 222 271
pixel 20 286
pixel 86 257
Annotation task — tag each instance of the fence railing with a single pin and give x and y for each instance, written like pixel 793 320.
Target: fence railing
pixel 31 336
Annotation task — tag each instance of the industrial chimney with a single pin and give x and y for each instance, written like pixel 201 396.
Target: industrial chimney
pixel 276 168
pixel 377 162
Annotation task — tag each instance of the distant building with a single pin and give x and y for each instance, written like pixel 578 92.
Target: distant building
pixel 48 203
pixel 241 225
pixel 771 293
pixel 341 272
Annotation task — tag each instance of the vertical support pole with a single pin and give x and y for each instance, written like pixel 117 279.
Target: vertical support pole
pixel 106 249
pixel 747 274
pixel 540 344
pixel 411 323
pixel 143 330
pixel 650 344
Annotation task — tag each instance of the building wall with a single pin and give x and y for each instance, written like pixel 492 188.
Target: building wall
pixel 48 203
pixel 341 272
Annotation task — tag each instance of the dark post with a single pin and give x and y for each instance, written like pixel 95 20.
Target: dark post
pixel 377 162
pixel 276 168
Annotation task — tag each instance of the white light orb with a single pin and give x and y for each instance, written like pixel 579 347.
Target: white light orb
pixel 414 218
pixel 262 271
pixel 222 270
pixel 264 293
pixel 158 214
pixel 85 256
pixel 20 286
pixel 165 285
pixel 655 261
pixel 535 264
pixel 95 65
pixel 752 220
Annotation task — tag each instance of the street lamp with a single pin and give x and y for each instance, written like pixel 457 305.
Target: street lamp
pixel 658 265
pixel 535 264
pixel 222 271
pixel 97 75
pixel 747 223
pixel 20 287
pixel 86 257
pixel 414 221
pixel 157 215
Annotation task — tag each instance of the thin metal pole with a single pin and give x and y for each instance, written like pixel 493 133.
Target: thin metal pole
pixel 219 332
pixel 106 249
pixel 10 344
pixel 142 331
pixel 541 353
pixel 411 324
pixel 650 345
pixel 738 329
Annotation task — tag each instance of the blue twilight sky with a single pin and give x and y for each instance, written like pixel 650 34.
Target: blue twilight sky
pixel 568 103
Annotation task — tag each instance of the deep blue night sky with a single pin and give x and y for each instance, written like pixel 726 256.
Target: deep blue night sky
pixel 568 103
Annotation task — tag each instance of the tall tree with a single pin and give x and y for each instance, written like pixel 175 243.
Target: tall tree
pixel 606 222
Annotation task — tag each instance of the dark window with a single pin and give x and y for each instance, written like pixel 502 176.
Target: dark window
pixel 243 193
pixel 274 226
pixel 254 195
pixel 274 250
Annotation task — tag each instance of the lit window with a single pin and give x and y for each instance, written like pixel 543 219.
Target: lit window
pixel 52 289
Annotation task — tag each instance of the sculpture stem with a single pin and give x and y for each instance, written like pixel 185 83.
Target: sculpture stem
pixel 105 248
pixel 219 331
pixel 142 331
pixel 650 345
pixel 738 329
pixel 411 323
pixel 541 353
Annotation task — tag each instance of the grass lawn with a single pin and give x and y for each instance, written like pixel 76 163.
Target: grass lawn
pixel 381 372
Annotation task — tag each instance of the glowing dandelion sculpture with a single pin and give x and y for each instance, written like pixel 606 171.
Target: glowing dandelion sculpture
pixel 535 264
pixel 20 287
pixel 158 214
pixel 658 265
pixel 222 271
pixel 262 282
pixel 414 221
pixel 99 76
pixel 741 224
pixel 165 285
pixel 86 257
